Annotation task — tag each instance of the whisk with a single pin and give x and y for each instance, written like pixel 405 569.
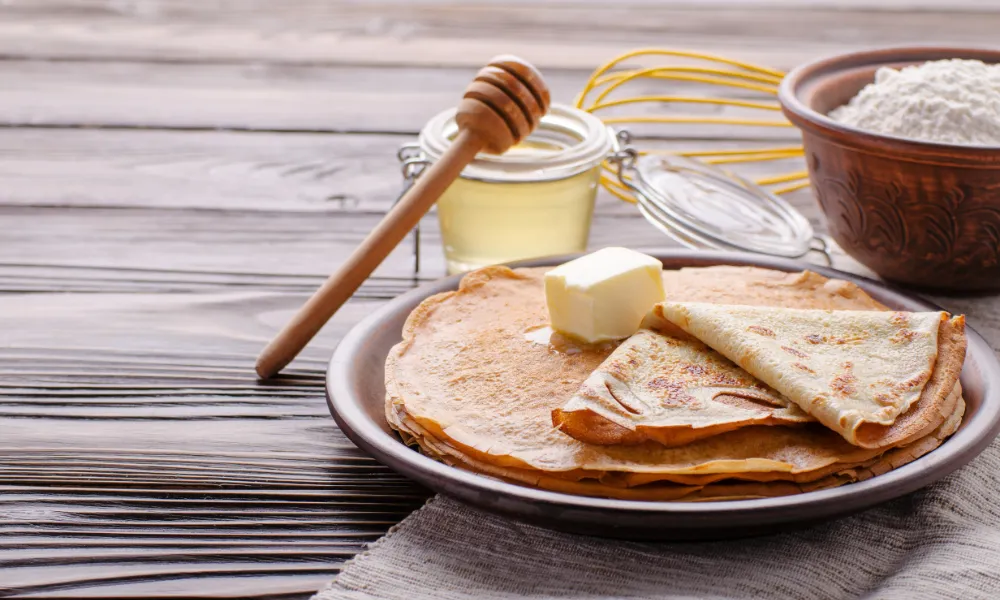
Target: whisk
pixel 606 84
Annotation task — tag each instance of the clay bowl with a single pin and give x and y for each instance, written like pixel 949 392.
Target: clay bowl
pixel 917 213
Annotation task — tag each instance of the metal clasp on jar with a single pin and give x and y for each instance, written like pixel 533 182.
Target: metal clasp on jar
pixel 623 156
pixel 412 164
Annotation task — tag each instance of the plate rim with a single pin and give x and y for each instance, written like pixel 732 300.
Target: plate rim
pixel 968 442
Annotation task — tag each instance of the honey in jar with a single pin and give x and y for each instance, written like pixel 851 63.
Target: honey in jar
pixel 537 199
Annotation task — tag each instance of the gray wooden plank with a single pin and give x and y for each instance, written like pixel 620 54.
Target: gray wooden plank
pixel 219 171
pixel 281 97
pixel 192 249
pixel 192 586
pixel 428 33
pixel 291 173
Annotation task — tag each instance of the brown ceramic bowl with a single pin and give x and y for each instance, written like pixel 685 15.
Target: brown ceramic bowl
pixel 917 213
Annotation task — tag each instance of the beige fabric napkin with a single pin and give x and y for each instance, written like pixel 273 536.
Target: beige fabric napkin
pixel 941 542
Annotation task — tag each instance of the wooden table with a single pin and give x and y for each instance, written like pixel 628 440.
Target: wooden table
pixel 177 176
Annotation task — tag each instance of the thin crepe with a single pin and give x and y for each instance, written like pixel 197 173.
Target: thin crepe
pixel 764 287
pixel 946 428
pixel 856 372
pixel 670 390
pixel 468 372
pixel 695 491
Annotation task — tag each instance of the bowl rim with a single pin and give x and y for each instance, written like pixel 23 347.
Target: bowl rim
pixel 976 433
pixel 805 117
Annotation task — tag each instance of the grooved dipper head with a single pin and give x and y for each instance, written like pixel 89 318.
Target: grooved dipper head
pixel 504 103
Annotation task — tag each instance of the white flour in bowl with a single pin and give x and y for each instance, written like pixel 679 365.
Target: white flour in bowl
pixel 948 101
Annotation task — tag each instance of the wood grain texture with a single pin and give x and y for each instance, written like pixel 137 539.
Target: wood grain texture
pixel 140 451
pixel 176 176
pixel 287 98
pixel 239 172
pixel 578 34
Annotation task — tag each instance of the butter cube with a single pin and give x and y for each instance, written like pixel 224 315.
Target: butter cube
pixel 603 295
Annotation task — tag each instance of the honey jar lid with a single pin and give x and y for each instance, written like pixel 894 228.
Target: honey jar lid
pixel 566 142
pixel 703 206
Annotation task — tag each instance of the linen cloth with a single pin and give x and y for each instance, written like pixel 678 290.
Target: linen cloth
pixel 940 542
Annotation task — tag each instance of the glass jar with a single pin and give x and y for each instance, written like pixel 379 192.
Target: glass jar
pixel 537 199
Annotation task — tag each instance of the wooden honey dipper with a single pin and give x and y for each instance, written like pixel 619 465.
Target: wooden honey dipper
pixel 499 109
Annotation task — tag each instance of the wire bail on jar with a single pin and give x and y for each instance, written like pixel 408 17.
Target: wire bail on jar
pixel 412 163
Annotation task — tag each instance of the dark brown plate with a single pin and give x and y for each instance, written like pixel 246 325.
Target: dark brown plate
pixel 356 393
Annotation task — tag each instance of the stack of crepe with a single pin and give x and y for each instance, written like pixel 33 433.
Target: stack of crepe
pixel 745 383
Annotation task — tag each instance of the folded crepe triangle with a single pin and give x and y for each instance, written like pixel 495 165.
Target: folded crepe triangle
pixel 856 372
pixel 672 390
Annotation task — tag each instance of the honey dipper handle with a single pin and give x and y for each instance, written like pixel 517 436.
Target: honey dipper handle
pixel 403 217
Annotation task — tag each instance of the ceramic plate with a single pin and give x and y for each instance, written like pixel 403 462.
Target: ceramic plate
pixel 356 393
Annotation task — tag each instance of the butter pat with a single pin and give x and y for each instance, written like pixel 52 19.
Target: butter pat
pixel 603 295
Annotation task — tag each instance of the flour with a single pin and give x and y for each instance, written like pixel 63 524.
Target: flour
pixel 948 101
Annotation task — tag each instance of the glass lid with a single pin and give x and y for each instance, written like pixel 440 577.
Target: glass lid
pixel 703 206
